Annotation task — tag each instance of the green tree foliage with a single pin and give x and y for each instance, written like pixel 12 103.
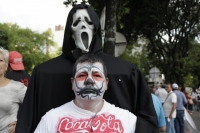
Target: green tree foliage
pixel 191 66
pixel 170 26
pixel 32 45
pixel 97 5
pixel 3 37
pixel 136 53
pixel 72 2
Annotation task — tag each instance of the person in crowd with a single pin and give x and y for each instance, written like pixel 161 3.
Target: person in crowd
pixel 160 113
pixel 181 101
pixel 169 107
pixel 161 93
pixel 88 111
pixel 50 84
pixel 179 88
pixel 16 68
pixel 198 99
pixel 190 103
pixel 193 95
pixel 11 95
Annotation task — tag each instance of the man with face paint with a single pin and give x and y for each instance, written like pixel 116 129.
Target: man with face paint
pixel 50 82
pixel 88 112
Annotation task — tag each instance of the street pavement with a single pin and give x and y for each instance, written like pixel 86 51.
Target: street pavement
pixel 196 118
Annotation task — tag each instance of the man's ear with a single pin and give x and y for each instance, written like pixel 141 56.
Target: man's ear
pixel 72 81
pixel 107 80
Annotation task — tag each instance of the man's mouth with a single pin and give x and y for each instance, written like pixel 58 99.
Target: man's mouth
pixel 84 92
pixel 89 91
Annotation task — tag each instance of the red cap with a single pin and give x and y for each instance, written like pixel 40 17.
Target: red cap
pixel 15 60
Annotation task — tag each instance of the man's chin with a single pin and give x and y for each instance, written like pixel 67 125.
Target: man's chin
pixel 89 97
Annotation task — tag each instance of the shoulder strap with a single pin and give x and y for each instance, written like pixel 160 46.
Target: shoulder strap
pixel 167 97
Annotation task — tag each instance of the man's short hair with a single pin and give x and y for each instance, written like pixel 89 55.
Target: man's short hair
pixel 91 58
pixel 168 83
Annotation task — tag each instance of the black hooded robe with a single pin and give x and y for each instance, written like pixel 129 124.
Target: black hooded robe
pixel 50 84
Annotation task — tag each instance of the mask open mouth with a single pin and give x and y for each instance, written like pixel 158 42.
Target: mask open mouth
pixel 85 39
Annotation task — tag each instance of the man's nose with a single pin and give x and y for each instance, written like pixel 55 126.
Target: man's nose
pixel 89 81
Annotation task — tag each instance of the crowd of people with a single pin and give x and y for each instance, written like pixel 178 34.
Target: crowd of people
pixel 175 101
pixel 84 89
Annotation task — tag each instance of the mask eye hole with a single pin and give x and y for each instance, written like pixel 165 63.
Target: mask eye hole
pixel 76 22
pixel 88 21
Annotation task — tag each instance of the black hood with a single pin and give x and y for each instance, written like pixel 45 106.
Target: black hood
pixel 69 43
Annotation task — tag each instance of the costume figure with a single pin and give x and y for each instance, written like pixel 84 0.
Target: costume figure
pixel 50 85
pixel 88 112
pixel 198 99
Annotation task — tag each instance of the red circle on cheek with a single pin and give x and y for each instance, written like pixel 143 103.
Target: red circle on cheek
pixel 81 78
pixel 98 78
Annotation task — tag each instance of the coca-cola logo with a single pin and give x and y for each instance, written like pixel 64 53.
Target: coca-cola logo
pixel 104 123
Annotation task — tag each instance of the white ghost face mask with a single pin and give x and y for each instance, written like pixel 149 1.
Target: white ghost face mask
pixel 89 82
pixel 83 29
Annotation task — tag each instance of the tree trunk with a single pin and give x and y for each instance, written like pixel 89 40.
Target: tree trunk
pixel 110 26
pixel 167 76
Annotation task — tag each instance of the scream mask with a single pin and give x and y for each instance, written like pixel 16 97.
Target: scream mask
pixel 82 28
pixel 89 81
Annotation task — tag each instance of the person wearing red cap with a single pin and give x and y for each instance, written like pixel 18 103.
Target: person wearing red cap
pixel 16 68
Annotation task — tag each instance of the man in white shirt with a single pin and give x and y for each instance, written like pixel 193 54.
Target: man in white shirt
pixel 169 107
pixel 88 112
pixel 161 93
pixel 198 99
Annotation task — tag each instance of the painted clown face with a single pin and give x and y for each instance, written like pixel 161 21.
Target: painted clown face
pixel 83 29
pixel 89 81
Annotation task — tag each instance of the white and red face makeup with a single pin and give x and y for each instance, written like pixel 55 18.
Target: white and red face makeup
pixel 83 29
pixel 89 81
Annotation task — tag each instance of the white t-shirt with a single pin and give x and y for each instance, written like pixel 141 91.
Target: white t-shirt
pixel 11 95
pixel 167 106
pixel 161 93
pixel 197 100
pixel 194 95
pixel 69 118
